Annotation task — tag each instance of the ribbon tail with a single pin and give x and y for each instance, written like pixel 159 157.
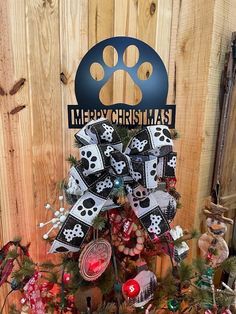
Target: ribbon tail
pixel 78 222
pixel 151 210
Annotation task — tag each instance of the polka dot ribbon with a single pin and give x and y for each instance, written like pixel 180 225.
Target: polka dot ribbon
pixel 147 158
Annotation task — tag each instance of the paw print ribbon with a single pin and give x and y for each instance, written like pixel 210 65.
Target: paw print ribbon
pixel 147 157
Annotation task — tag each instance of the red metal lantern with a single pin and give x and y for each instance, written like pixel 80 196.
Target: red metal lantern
pixel 131 288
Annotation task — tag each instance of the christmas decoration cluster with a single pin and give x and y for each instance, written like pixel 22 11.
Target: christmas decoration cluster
pixel 115 216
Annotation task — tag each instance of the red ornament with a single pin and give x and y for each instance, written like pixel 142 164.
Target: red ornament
pixel 66 278
pixel 131 288
pixel 226 311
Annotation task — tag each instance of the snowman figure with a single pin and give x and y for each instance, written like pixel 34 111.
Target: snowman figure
pixel 212 245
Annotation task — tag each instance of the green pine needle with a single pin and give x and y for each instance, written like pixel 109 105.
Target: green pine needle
pixel 77 144
pixel 53 277
pixel 195 234
pixel 199 265
pixel 223 300
pixel 72 160
pixel 107 280
pixel 13 254
pixel 174 134
pixel 185 272
pixel 178 205
pixel 229 265
pixel 99 222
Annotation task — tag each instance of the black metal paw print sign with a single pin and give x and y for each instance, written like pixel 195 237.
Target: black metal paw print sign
pixel 151 108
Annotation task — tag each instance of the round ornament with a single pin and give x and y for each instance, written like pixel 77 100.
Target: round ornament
pixel 94 259
pixel 131 288
pixel 85 294
pixel 207 241
pixel 148 282
pixel 173 305
pixel 66 278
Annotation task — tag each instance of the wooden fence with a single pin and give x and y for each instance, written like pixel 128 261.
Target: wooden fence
pixel 42 43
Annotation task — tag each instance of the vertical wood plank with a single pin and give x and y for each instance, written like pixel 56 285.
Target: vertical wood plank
pixel 193 47
pixel 46 116
pixel 163 29
pixel 172 53
pixel 125 24
pixel 73 47
pixel 101 26
pixel 16 178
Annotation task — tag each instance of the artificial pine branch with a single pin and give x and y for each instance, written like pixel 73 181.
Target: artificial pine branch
pixel 106 281
pixel 77 144
pixel 200 265
pixel 223 300
pixel 185 272
pixel 13 254
pixel 99 222
pixel 53 277
pixel 186 237
pixel 72 160
pixel 229 265
pixel 174 134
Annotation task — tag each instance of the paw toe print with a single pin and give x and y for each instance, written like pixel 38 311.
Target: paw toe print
pixel 163 134
pixel 87 208
pixel 88 161
pixel 134 72
pixel 143 203
pixel 153 172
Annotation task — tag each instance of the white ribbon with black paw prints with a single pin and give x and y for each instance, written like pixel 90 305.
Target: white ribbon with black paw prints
pixel 147 158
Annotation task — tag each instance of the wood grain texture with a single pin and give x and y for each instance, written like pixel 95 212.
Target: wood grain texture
pixel 100 27
pixel 193 47
pixel 224 25
pixel 43 42
pixel 46 115
pixel 73 26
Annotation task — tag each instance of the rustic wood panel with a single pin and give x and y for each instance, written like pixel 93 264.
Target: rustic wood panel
pixel 43 42
pixel 73 26
pixel 46 116
pixel 16 180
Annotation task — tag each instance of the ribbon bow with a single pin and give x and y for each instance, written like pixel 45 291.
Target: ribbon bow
pixel 147 158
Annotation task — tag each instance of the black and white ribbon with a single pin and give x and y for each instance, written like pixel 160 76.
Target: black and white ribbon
pixel 147 158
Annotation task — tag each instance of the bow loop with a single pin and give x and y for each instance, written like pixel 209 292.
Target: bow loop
pixel 99 132
pixel 155 140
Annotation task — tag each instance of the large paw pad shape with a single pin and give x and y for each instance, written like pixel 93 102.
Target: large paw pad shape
pixel 144 68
